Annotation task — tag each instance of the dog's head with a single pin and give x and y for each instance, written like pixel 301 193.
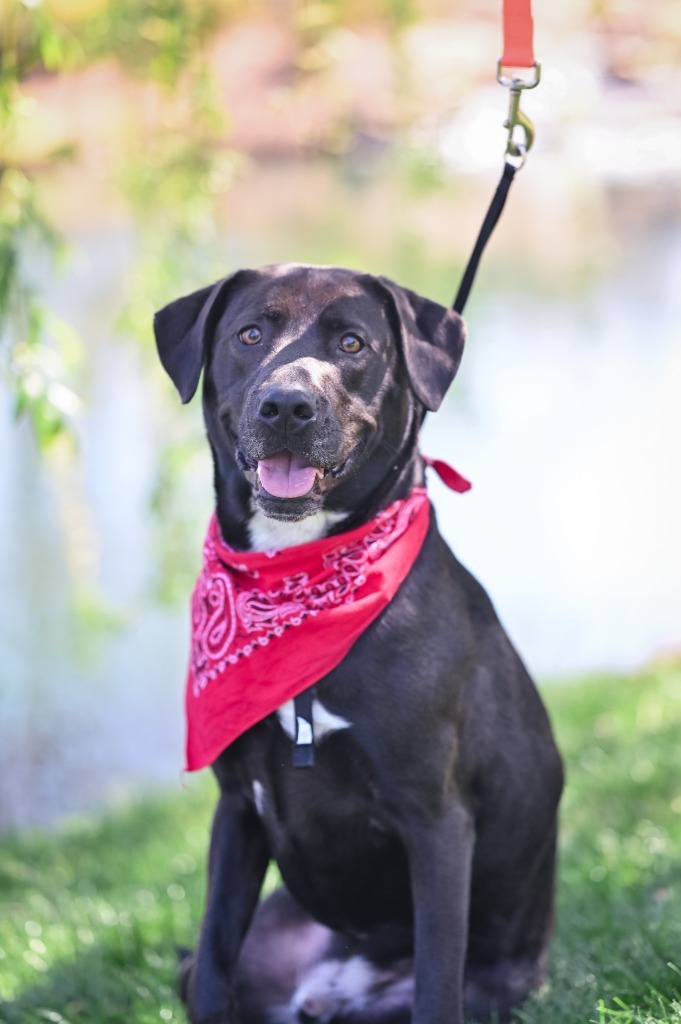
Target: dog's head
pixel 306 371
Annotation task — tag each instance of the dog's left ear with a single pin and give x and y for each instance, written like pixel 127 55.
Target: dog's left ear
pixel 432 339
pixel 181 329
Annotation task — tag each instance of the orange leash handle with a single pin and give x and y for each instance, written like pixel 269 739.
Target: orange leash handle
pixel 518 55
pixel 518 34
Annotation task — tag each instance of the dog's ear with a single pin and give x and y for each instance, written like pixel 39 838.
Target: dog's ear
pixel 432 339
pixel 181 329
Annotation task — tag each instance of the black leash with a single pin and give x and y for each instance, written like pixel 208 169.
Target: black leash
pixel 517 147
pixel 488 225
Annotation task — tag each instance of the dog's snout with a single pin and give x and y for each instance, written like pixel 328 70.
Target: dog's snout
pixel 287 409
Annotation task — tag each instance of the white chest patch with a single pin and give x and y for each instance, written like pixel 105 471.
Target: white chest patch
pixel 274 534
pixel 325 722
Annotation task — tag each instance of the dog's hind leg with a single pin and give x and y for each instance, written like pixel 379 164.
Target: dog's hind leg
pixel 282 944
pixel 293 970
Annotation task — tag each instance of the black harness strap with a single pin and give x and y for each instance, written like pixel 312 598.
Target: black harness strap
pixel 488 225
pixel 303 747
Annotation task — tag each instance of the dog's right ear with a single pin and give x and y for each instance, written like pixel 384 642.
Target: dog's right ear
pixel 181 329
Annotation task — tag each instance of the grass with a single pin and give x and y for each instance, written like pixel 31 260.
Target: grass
pixel 90 916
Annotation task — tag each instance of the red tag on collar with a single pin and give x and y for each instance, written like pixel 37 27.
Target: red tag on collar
pixel 267 625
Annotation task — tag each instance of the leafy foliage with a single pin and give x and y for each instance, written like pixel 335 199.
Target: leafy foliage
pixel 28 39
pixel 171 175
pixel 37 371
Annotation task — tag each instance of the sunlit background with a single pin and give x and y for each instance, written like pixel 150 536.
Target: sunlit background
pixel 151 146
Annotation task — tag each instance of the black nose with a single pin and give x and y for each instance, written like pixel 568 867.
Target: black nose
pixel 286 410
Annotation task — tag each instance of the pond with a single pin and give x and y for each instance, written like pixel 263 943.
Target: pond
pixel 565 416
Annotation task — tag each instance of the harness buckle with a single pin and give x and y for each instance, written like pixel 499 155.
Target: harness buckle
pixel 520 128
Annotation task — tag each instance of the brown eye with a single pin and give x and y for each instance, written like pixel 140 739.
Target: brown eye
pixel 351 344
pixel 250 335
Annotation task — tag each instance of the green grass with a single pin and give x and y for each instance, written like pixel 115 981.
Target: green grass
pixel 90 916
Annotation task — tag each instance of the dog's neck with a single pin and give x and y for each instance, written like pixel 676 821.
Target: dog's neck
pixel 390 472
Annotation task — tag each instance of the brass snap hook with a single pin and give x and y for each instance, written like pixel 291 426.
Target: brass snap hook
pixel 520 127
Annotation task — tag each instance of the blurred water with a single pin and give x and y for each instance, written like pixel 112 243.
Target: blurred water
pixel 565 416
pixel 85 715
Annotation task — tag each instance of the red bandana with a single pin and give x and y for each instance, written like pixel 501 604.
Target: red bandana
pixel 320 597
pixel 267 625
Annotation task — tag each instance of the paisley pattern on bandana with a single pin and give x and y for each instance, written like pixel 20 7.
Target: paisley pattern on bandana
pixel 238 608
pixel 267 625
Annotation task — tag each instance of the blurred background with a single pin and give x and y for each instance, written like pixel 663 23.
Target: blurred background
pixel 148 147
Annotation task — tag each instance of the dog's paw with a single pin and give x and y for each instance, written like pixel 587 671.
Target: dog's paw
pixel 185 963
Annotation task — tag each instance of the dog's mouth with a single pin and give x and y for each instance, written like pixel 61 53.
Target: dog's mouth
pixel 287 475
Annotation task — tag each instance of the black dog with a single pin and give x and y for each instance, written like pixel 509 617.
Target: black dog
pixel 418 853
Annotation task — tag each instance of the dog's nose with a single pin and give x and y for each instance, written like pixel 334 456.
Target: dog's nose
pixel 291 410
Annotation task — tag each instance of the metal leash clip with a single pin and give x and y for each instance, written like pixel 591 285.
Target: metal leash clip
pixel 517 121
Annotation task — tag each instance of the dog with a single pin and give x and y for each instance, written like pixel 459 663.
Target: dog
pixel 418 853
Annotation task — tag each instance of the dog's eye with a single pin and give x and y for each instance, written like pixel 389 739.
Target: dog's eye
pixel 250 335
pixel 351 343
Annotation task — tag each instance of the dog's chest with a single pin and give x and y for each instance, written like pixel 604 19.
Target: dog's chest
pixel 333 841
pixel 339 786
pixel 324 722
pixel 308 808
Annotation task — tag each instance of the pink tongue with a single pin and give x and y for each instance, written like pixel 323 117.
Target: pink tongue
pixel 286 475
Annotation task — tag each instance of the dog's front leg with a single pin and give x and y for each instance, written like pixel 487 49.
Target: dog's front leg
pixel 440 854
pixel 238 859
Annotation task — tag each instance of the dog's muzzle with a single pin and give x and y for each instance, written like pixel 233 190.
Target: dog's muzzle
pixel 288 446
pixel 287 414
